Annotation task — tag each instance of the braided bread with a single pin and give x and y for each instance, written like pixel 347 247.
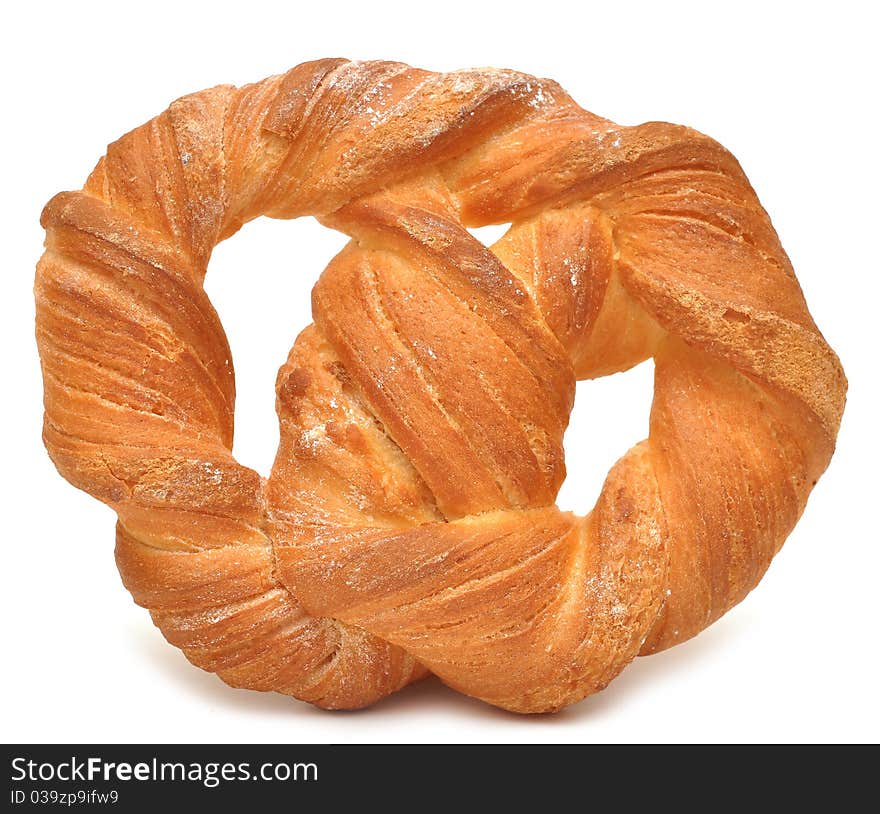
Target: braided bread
pixel 408 525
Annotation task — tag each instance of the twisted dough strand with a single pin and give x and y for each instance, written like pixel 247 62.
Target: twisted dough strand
pixel 408 523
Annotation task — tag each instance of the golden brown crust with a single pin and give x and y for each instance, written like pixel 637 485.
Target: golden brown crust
pixel 408 523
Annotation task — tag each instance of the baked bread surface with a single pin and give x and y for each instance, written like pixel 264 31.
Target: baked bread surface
pixel 408 525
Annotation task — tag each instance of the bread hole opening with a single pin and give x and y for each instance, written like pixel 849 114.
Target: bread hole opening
pixel 260 282
pixel 487 235
pixel 610 415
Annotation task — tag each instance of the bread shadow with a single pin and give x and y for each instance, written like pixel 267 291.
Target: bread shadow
pixel 430 695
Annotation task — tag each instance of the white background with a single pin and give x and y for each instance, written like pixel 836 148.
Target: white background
pixel 789 89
